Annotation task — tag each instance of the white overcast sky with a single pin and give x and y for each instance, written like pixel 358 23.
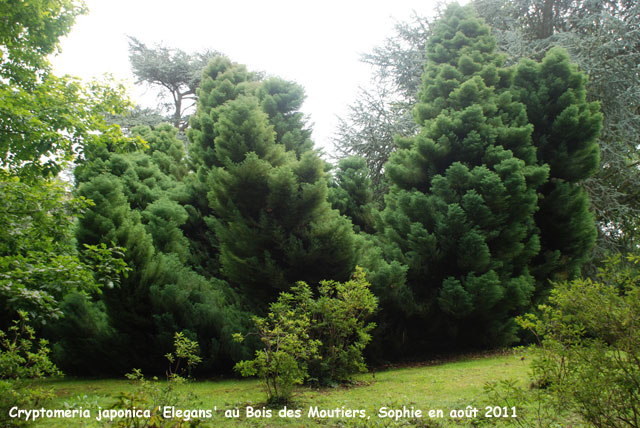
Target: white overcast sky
pixel 317 44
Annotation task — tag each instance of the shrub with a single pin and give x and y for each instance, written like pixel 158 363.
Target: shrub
pixel 282 363
pixel 186 351
pixel 589 356
pixel 339 321
pixel 20 361
pixel 319 339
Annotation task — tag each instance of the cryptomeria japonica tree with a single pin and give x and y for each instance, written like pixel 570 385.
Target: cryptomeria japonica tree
pixel 464 210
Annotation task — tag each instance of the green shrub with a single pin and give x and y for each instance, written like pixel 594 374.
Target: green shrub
pixel 589 354
pixel 307 339
pixel 20 361
pixel 186 351
pixel 282 363
pixel 339 321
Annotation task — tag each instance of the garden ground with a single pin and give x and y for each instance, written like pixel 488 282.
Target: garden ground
pixel 440 388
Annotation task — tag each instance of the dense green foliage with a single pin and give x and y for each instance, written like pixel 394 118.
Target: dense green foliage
pixel 340 322
pixel 287 346
pixel 602 40
pixel 260 193
pixel 464 212
pixel 39 264
pixel 136 204
pixel 169 243
pixel 46 121
pixel 351 193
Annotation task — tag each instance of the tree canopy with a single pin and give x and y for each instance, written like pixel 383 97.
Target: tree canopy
pixel 175 71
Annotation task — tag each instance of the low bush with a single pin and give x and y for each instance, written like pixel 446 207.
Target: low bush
pixel 312 339
pixel 588 358
pixel 22 360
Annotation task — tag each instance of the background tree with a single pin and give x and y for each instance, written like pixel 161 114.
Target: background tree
pixel 45 123
pixel 222 81
pixel 39 263
pixel 566 128
pixel 30 32
pixel 382 112
pixel 599 37
pixel 351 192
pixel 271 217
pixel 602 38
pixel 46 120
pixel 268 219
pixel 137 116
pixel 174 71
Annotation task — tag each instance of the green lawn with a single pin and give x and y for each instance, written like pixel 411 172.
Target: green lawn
pixel 445 387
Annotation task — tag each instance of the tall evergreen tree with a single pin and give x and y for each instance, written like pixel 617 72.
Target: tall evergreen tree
pixel 128 306
pixel 601 37
pixel 281 100
pixel 268 220
pixel 222 81
pixel 460 211
pixel 137 203
pixel 566 130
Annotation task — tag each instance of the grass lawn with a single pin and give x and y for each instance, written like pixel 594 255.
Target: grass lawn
pixel 445 387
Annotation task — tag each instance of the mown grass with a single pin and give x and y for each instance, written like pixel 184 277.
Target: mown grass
pixel 446 386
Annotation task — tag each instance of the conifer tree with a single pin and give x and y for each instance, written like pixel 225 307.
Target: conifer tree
pixel 281 100
pixel 268 220
pixel 460 211
pixel 566 130
pixel 166 150
pixel 128 306
pixel 221 81
pixel 137 203
pixel 351 192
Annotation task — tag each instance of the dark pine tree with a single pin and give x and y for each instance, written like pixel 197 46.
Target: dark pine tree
pixel 137 205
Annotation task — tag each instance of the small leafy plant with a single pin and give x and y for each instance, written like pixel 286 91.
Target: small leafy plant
pixel 339 318
pixel 150 392
pixel 588 359
pixel 187 352
pixel 282 363
pixel 20 361
pixel 312 339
